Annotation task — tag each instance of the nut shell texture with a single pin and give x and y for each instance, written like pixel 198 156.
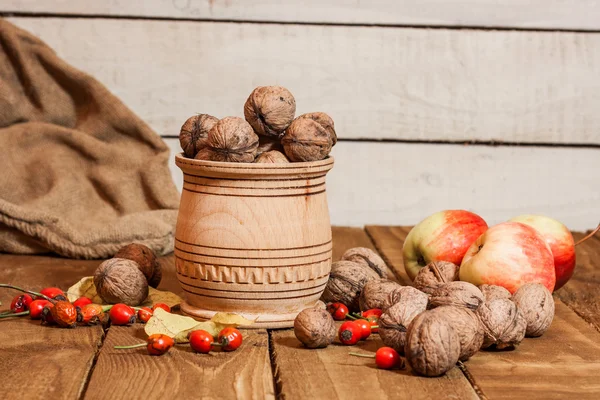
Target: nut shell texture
pixel 346 281
pixel 306 140
pixel 270 110
pixel 394 322
pixel 467 326
pixel 503 324
pixel 230 140
pixel 432 345
pixel 272 157
pixel 537 306
pixel 119 280
pixel 458 293
pixel 194 131
pixel 435 274
pixel 375 293
pixel 143 256
pixel 368 258
pixel 406 294
pixel 492 292
pixel 315 328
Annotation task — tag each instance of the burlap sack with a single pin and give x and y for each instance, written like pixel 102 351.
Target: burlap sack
pixel 80 174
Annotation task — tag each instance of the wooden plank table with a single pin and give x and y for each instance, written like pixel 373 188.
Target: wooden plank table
pixel 38 361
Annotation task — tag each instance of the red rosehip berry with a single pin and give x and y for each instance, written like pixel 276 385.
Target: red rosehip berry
pixel 387 358
pixel 64 314
pixel 161 305
pixel 350 333
pixel 36 307
pixel 92 314
pixel 47 317
pixel 365 328
pixel 373 312
pixel 82 301
pixel 53 293
pixel 201 341
pixel 230 339
pixel 21 303
pixel 121 314
pixel 338 311
pixel 374 322
pixel 159 344
pixel 144 314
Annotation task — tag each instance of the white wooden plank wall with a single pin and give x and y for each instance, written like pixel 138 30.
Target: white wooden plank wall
pixel 422 90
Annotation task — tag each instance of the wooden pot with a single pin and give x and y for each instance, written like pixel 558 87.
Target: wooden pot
pixel 253 239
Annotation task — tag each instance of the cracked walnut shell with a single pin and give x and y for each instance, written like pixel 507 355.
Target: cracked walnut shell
pixel 315 328
pixel 536 304
pixel 230 140
pixel 503 324
pixel 270 110
pixel 193 131
pixel 346 281
pixel 432 345
pixel 435 274
pixel 458 293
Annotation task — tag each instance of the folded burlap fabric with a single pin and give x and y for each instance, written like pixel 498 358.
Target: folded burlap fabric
pixel 80 174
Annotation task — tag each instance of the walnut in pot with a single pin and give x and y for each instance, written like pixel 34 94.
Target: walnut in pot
pixel 230 140
pixel 270 110
pixel 194 131
pixel 315 328
pixel 306 140
pixel 119 280
pixel 145 259
pixel 368 258
pixel 267 144
pixel 346 281
pixel 432 345
pixel 405 294
pixel 395 321
pixel 536 304
pixel 492 292
pixel 375 293
pixel 272 157
pixel 458 293
pixel 467 326
pixel 435 274
pixel 503 324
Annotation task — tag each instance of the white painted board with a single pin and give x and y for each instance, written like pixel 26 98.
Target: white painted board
pixel 392 83
pixel 544 14
pixel 400 183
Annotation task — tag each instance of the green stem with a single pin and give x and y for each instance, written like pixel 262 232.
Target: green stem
pixel 19 314
pixel 362 355
pixel 6 285
pixel 352 317
pixel 375 327
pixel 133 346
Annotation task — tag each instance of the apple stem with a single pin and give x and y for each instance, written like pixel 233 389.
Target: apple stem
pixel 592 233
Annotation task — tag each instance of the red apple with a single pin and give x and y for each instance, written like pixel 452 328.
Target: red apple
pixel 509 254
pixel 561 244
pixel 443 236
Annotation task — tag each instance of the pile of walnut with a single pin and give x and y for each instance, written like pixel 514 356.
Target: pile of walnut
pixel 269 133
pixel 438 321
pixel 125 277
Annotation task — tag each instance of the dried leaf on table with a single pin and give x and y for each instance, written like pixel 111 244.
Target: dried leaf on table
pixel 85 287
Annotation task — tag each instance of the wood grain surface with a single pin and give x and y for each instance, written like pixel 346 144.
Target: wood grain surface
pixel 551 14
pixel 331 373
pixel 392 83
pixel 564 362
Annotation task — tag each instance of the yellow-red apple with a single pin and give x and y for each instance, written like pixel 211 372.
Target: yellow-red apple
pixel 510 255
pixel 561 243
pixel 443 236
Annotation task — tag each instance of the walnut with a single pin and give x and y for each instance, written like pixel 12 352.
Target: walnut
pixel 503 324
pixel 432 345
pixel 405 294
pixel 346 281
pixel 368 258
pixel 434 274
pixel 119 280
pixel 395 320
pixel 307 140
pixel 315 328
pixel 467 326
pixel 267 144
pixel 375 293
pixel 491 292
pixel 145 259
pixel 231 140
pixel 270 110
pixel 272 157
pixel 458 293
pixel 194 131
pixel 325 121
pixel 536 304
